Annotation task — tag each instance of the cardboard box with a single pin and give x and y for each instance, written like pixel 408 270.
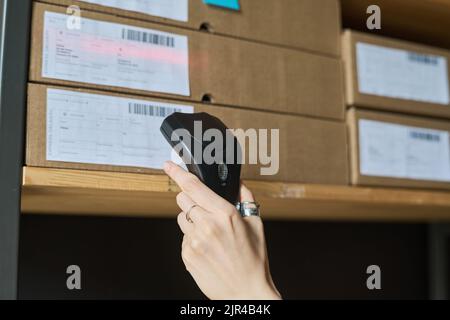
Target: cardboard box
pixel 311 150
pixel 394 75
pixel 392 150
pixel 422 21
pixel 201 67
pixel 291 23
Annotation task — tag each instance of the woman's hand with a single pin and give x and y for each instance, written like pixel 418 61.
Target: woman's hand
pixel 225 253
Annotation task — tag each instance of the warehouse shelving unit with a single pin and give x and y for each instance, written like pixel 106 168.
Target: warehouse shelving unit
pixel 56 191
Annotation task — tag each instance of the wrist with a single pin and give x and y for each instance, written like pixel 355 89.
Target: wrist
pixel 267 290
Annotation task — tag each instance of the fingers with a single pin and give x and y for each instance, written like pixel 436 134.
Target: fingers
pixel 185 226
pixel 246 194
pixel 196 190
pixel 187 205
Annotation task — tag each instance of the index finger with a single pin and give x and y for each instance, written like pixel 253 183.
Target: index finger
pixel 196 190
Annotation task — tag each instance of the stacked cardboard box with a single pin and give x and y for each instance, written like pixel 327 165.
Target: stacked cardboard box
pixel 399 150
pixel 113 53
pixel 78 124
pixel 402 149
pixel 93 78
pixel 290 23
pixel 394 75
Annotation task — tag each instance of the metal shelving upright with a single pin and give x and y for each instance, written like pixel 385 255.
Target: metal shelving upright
pixel 14 54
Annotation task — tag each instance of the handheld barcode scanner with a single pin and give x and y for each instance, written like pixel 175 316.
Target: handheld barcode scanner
pixel 186 134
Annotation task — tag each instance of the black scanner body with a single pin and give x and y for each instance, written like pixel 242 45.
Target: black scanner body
pixel 185 133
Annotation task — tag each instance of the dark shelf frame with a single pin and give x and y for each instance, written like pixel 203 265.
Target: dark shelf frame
pixel 15 21
pixel 439 261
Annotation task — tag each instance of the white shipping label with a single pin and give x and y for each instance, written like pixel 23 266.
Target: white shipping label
pixel 170 9
pixel 402 74
pixel 99 129
pixel 398 151
pixel 116 55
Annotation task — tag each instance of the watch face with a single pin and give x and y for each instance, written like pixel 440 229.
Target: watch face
pixel 223 172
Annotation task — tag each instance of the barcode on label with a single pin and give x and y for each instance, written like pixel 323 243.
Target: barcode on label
pixel 425 136
pixel 152 111
pixel 423 58
pixel 147 37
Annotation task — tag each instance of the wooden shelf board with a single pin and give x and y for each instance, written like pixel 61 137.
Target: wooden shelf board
pixel 59 191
